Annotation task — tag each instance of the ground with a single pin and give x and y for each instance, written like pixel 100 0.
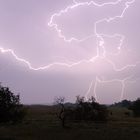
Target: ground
pixel 41 123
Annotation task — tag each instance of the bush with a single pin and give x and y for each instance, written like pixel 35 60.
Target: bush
pixel 90 110
pixel 135 107
pixel 10 108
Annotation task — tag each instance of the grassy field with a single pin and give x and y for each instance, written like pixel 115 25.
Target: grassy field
pixel 41 123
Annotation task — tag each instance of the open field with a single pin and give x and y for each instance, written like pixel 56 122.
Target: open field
pixel 41 123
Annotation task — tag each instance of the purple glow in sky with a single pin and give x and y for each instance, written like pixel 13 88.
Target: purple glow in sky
pixel 52 48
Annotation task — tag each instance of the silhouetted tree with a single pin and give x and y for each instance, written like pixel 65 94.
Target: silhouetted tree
pixel 123 103
pixel 135 107
pixel 61 114
pixel 10 108
pixel 90 110
pixel 82 110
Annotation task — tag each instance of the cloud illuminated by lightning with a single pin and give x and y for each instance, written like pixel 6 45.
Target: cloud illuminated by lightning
pixel 101 50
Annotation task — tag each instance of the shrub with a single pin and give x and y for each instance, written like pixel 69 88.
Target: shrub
pixel 135 107
pixel 90 110
pixel 10 108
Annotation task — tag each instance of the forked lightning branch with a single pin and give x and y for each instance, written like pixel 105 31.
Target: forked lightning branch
pixel 100 44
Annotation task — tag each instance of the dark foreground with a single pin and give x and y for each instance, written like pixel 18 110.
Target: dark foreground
pixel 41 123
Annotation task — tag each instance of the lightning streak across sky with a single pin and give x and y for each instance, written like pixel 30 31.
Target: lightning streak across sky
pixel 101 49
pixel 98 81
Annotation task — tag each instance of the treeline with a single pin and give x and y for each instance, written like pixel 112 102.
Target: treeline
pixel 131 105
pixel 90 110
pixel 81 110
pixel 11 110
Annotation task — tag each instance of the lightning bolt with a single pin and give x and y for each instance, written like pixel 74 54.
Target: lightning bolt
pixel 101 50
pixel 98 81
pixel 89 90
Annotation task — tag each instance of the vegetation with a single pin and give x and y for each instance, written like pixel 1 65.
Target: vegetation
pixel 81 111
pixel 83 120
pixel 41 123
pixel 131 105
pixel 124 103
pixel 135 107
pixel 90 110
pixel 10 108
pixel 62 111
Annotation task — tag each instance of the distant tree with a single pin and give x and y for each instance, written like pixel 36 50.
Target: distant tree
pixel 82 110
pixel 135 107
pixel 90 110
pixel 61 114
pixel 123 103
pixel 10 108
pixel 126 103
